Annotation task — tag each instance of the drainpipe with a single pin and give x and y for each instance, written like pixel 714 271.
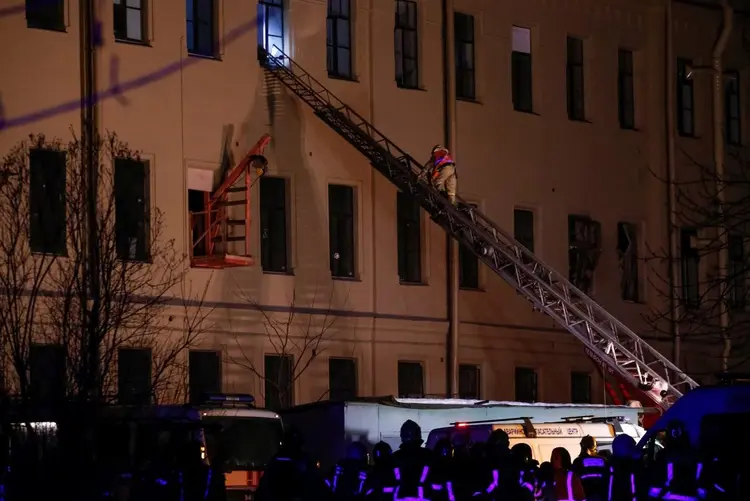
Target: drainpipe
pixel 718 102
pixel 674 267
pixel 449 121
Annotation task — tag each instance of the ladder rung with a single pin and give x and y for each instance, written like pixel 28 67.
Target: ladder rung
pixel 229 239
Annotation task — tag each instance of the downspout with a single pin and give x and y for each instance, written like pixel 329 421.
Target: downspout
pixel 718 95
pixel 373 180
pixel 449 122
pixel 90 163
pixel 674 265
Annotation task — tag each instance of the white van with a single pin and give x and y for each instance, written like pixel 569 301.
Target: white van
pixel 542 437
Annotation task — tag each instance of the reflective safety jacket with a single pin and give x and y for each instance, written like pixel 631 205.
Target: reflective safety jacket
pixel 566 487
pixel 594 473
pixel 624 480
pixel 682 481
pixel 347 480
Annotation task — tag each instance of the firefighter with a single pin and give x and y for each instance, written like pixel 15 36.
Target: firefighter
pixel 498 470
pixel 677 472
pixel 526 471
pixel 381 473
pixel 592 469
pixel 412 465
pixel 566 485
pixel 625 473
pixel 347 480
pixel 442 171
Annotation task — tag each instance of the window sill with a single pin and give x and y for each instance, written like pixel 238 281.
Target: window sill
pixel 579 120
pixel 127 41
pixel 58 29
pixel 203 56
pixel 408 87
pixel 288 273
pixel 629 129
pixel 687 136
pixel 346 279
pixel 343 78
pixel 471 100
pixel 527 112
pixel 471 289
pixel 411 284
pixel 50 254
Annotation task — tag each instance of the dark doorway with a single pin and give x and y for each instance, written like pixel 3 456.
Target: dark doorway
pixel 196 208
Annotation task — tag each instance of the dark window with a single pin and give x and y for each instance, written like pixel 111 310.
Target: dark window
pixel 523 228
pixel 279 379
pixel 132 210
pixel 339 39
pixel 469 382
pixel 521 69
pixel 134 376
pixel 580 388
pixel 47 375
pixel 690 268
pixel 271 25
pixel 204 374
pixel 736 274
pixel 342 378
pixel 627 252
pixel 130 20
pixel 584 249
pixel 526 385
pixel 201 27
pixel 410 380
pixel 625 89
pixel 273 224
pixel 405 43
pixel 45 14
pixel 409 238
pixel 47 211
pixel 733 111
pixel 574 77
pixel 465 69
pixel 197 207
pixel 685 99
pixel 341 229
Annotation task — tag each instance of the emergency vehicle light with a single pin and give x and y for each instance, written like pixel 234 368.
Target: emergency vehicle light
pixel 462 425
pixel 228 398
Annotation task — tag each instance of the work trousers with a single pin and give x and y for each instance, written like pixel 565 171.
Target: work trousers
pixel 444 179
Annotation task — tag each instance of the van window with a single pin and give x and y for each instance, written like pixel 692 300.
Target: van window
pixel 720 432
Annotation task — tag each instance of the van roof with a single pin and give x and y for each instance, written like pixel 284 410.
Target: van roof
pixel 238 412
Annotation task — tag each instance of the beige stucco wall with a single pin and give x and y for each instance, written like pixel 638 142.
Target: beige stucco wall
pixel 540 161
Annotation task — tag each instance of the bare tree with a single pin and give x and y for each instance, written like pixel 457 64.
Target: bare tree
pixel 50 253
pixel 706 228
pixel 298 335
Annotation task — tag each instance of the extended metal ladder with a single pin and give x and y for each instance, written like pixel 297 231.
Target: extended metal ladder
pixel 608 342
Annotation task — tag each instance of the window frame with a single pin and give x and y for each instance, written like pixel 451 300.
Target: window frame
pixel 575 74
pixel 264 7
pixel 122 8
pixel 476 370
pixel 626 88
pixel 123 214
pixel 465 89
pixel 272 211
pixel 39 203
pixel 279 401
pixel 195 392
pixel 51 15
pixel 690 296
pixel 402 30
pixel 685 88
pixel 622 230
pixel 520 372
pixel 574 376
pixel 334 45
pixel 402 368
pixel 737 272
pixel 517 234
pixel 137 399
pixel 194 24
pixel 522 80
pixel 339 222
pixel 409 238
pixel 732 114
pixel 338 392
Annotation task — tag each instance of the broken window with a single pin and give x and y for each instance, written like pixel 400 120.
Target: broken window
pixel 627 253
pixel 584 249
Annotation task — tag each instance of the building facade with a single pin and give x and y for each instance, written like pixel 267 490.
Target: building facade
pixel 561 122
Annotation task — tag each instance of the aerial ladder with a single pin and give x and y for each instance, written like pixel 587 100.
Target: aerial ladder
pixel 215 232
pixel 609 343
